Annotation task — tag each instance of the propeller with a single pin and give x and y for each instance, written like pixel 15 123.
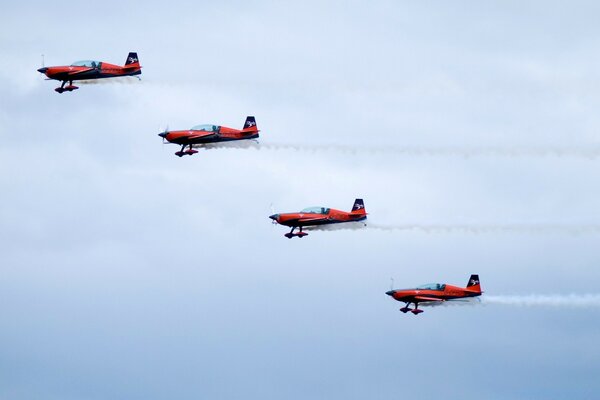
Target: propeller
pixel 392 284
pixel 274 222
pixel 164 134
pixel 43 68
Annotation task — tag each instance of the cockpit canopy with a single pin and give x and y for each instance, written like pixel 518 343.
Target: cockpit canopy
pixel 205 128
pixel 315 210
pixel 87 63
pixel 432 286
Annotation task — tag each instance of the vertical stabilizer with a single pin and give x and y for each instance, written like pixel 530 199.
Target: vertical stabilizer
pixel 358 207
pixel 250 123
pixel 132 58
pixel 474 283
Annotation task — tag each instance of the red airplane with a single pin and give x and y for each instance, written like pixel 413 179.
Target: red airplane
pixel 315 216
pixel 435 293
pixel 208 133
pixel 89 69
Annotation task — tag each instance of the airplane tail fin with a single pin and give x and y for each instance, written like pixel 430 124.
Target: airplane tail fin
pixel 250 125
pixel 359 207
pixel 132 60
pixel 474 284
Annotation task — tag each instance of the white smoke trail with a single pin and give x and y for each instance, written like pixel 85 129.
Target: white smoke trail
pixel 337 227
pixel 537 300
pixel 235 144
pixel 572 229
pixel 589 153
pixel 533 300
pixel 446 151
pixel 468 301
pixel 123 80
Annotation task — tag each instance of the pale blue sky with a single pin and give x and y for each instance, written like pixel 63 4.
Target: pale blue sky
pixel 130 273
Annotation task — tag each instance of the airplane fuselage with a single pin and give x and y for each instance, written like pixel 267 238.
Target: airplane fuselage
pixel 78 73
pixel 314 219
pixel 418 295
pixel 223 134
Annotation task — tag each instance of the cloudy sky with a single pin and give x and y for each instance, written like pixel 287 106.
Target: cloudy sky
pixel 128 272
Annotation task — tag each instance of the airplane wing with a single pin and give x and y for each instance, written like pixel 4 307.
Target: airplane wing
pixel 314 219
pixel 202 135
pixel 80 71
pixel 425 298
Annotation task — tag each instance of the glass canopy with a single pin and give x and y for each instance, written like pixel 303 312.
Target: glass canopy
pixel 86 63
pixel 316 210
pixel 432 286
pixel 205 128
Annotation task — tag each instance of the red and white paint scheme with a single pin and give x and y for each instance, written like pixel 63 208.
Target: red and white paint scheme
pixel 316 216
pixel 89 69
pixel 209 133
pixel 435 293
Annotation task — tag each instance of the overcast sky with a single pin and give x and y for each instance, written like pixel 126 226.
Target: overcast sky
pixel 128 272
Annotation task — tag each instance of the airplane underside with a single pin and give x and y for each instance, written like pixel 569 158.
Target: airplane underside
pixel 190 151
pixel 84 77
pixel 320 225
pixel 446 301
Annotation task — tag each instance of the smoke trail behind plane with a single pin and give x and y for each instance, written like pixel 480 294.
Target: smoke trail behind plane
pixel 532 300
pixel 234 144
pixel 578 229
pixel 537 300
pixel 589 153
pixel 123 80
pixel 447 151
pixel 337 227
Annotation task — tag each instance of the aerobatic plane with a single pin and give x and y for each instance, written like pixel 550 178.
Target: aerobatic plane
pixel 204 134
pixel 316 216
pixel 88 69
pixel 435 293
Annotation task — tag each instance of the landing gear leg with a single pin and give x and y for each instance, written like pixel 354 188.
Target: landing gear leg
pixel 406 308
pixel 301 234
pixel 190 151
pixel 290 234
pixel 61 88
pixel 71 87
pixel 180 153
pixel 416 311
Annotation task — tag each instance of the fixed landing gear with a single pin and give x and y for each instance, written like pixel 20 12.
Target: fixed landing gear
pixel 415 311
pixel 183 152
pixel 291 233
pixel 69 88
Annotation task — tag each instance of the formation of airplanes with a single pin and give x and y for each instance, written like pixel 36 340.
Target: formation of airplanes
pixel 200 135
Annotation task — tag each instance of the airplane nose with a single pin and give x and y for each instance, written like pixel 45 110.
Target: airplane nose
pixel 163 134
pixel 274 217
pixel 390 292
pixel 43 70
